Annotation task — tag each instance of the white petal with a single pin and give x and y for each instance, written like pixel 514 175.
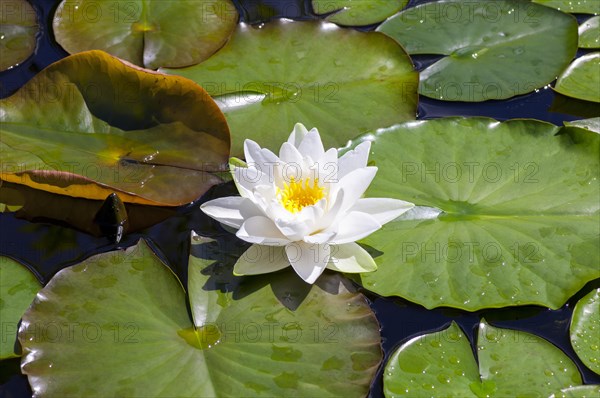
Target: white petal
pixel 293 229
pixel 354 159
pixel 247 178
pixel 264 196
pixel 231 210
pixel 312 213
pixel 259 259
pixel 297 135
pixel 332 213
pixel 382 209
pixel 293 163
pixel 261 230
pixel 297 226
pixel 350 258
pixel 311 145
pixel 260 158
pixel 275 211
pixel 354 185
pixel 327 167
pixel 308 260
pixel 321 237
pixel 251 148
pixel 355 226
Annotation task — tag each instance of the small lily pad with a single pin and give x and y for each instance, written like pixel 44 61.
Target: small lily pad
pixel 18 29
pixel 269 77
pixel 581 79
pixel 357 13
pixel 494 49
pixel 145 32
pixel 18 287
pixel 589 33
pixel 585 330
pixel 519 213
pixel 90 125
pixel 577 6
pixel 509 363
pixel 122 316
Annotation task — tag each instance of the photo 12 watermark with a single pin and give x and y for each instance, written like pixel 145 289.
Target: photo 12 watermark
pixel 70 332
pixel 490 12
pixel 480 91
pixel 469 172
pixel 471 252
pixel 112 332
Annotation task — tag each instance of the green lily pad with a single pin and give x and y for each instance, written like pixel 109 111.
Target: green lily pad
pixel 18 29
pixel 585 330
pixel 592 124
pixel 145 32
pixel 122 316
pixel 519 221
pixel 587 391
pixel 581 79
pixel 90 125
pixel 577 6
pixel 18 287
pixel 510 363
pixel 357 13
pixel 494 49
pixel 589 33
pixel 344 82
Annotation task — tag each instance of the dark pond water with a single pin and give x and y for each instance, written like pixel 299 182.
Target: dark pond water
pixel 46 247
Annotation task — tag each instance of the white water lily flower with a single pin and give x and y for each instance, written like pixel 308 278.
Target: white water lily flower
pixel 304 208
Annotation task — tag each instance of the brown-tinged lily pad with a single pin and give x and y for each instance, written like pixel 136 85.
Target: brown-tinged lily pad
pixel 90 125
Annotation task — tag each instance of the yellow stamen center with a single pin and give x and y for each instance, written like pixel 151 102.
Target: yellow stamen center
pixel 297 195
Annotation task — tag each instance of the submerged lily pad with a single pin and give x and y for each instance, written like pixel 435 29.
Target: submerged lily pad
pixel 519 221
pixel 122 316
pixel 89 216
pixel 147 33
pixel 585 330
pixel 268 78
pixel 90 125
pixel 573 106
pixel 574 6
pixel 581 79
pixel 18 287
pixel 18 29
pixel 357 13
pixel 494 49
pixel 509 363
pixel 589 33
